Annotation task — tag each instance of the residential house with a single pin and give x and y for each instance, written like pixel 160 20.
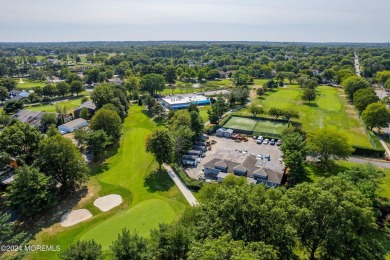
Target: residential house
pixel 73 125
pixel 89 105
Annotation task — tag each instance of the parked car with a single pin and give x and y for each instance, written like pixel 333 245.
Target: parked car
pixel 259 140
pixel 267 157
pixel 279 142
pixel 272 142
pixel 259 156
pixel 266 141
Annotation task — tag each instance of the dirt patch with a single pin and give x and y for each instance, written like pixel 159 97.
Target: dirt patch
pixel 75 216
pixel 108 202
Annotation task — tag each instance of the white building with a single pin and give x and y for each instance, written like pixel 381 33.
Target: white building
pixel 184 101
pixel 73 125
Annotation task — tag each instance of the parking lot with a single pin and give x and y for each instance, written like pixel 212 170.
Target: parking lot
pixel 229 149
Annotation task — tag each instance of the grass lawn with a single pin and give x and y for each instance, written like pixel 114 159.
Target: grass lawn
pixel 69 104
pixel 258 126
pixel 189 87
pixel 29 84
pixel 330 110
pixel 203 113
pixel 150 197
pixel 268 126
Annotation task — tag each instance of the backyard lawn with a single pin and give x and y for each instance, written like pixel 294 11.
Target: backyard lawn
pixel 330 110
pixel 150 197
pixel 203 113
pixel 68 105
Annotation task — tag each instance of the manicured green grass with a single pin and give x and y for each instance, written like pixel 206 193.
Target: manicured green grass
pixel 243 123
pixel 203 113
pixel 29 84
pixel 150 197
pixel 329 110
pixel 201 87
pixel 145 216
pixel 70 105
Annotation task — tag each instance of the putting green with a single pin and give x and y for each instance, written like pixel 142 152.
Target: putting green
pixel 142 217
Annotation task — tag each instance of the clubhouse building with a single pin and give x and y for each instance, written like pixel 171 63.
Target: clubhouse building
pixel 184 101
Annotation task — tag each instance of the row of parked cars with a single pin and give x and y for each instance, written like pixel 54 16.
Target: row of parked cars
pixel 261 140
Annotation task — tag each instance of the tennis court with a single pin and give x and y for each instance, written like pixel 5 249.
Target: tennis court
pixel 256 126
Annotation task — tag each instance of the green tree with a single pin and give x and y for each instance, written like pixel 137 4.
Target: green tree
pixel 12 106
pixel 31 191
pixel 102 94
pixel 129 246
pixel 152 83
pixel 376 115
pixel 20 141
pixel 108 121
pixel 59 157
pixel 260 91
pixel 84 113
pixel 161 144
pixel 63 88
pixel 9 84
pixel 3 94
pixel 197 124
pixel 353 84
pixel 294 152
pixel 170 74
pixel 132 84
pixel 170 242
pixel 76 87
pixel 329 144
pixel 218 108
pixel 48 119
pixel 183 136
pixel 309 95
pixel 150 102
pixel 97 141
pixel 289 114
pixel 255 109
pixel 225 248
pixel 276 112
pixel 363 97
pixel 85 250
pixel 365 177
pixel 8 233
pixel 333 220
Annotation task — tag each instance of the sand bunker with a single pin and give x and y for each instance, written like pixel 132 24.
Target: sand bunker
pixel 75 216
pixel 108 202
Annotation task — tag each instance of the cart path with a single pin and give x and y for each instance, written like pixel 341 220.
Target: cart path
pixel 182 187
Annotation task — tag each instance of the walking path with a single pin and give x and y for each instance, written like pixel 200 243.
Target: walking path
pixel 384 145
pixel 376 162
pixel 183 188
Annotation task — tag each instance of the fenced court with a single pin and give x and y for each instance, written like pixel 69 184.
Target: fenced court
pixel 264 127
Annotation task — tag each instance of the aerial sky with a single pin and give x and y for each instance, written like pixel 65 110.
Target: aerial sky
pixel 195 20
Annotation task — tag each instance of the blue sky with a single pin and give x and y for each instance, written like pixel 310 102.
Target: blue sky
pixel 208 20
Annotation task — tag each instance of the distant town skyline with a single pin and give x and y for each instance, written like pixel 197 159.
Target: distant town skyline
pixel 195 20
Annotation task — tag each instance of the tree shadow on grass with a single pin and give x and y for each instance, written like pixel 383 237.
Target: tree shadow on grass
pixel 160 121
pixel 100 166
pixel 319 170
pixel 311 104
pixel 158 180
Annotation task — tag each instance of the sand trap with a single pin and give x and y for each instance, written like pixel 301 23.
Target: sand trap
pixel 108 202
pixel 75 216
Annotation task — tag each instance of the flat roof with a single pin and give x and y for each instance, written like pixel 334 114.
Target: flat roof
pixel 183 99
pixel 74 123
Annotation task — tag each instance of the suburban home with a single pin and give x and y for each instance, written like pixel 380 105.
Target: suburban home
pixel 218 169
pixel 89 105
pixel 18 95
pixel 73 125
pixel 33 118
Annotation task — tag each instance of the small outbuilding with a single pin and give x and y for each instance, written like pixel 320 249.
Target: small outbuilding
pixel 220 132
pixel 228 133
pixel 73 125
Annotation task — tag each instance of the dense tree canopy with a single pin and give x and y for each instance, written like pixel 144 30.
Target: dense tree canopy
pixel 161 144
pixel 376 115
pixel 108 121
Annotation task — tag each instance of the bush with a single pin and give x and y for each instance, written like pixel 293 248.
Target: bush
pixel 189 182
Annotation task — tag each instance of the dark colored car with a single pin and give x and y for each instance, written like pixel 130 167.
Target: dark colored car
pixel 272 142
pixel 267 157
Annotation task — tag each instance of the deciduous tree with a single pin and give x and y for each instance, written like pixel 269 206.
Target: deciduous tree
pixel 161 144
pixel 376 115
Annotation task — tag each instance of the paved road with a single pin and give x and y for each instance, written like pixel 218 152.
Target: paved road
pixel 376 162
pixel 183 188
pixel 357 65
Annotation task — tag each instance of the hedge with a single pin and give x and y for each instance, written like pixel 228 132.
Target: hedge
pixel 189 182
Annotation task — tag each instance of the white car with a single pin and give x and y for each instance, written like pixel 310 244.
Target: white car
pixel 259 140
pixel 266 141
pixel 259 156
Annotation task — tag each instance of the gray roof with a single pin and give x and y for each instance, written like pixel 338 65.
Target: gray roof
pixel 87 104
pixel 249 165
pixel 74 123
pixel 222 175
pixel 32 118
pixel 229 131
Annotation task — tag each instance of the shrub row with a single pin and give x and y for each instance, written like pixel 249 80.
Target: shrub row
pixel 189 182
